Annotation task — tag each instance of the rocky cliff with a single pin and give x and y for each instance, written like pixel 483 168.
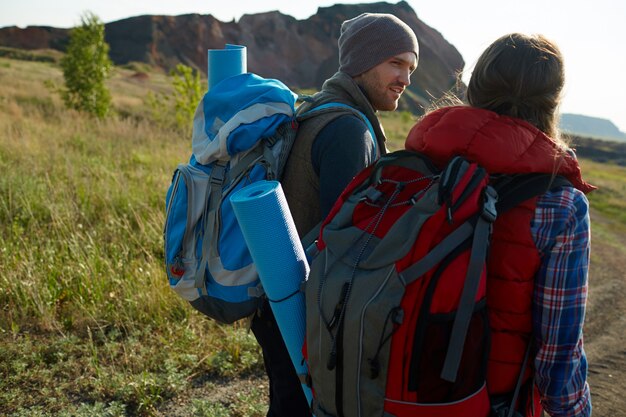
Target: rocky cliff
pixel 302 53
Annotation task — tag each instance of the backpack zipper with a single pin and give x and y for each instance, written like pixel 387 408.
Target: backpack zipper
pixel 362 332
pixel 335 359
pixel 169 208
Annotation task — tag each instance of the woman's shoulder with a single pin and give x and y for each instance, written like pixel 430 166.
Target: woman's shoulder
pixel 561 215
pixel 566 198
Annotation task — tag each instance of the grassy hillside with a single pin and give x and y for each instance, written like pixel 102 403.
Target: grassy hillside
pixel 88 325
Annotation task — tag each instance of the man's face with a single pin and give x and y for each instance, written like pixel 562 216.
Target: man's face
pixel 385 83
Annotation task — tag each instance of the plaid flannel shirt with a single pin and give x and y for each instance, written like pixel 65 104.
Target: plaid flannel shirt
pixel 561 232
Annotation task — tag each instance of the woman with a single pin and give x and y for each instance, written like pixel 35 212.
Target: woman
pixel 538 282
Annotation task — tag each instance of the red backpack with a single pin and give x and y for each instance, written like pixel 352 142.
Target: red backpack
pixel 395 300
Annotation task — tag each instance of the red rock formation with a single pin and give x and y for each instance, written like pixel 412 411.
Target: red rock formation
pixel 301 53
pixel 34 37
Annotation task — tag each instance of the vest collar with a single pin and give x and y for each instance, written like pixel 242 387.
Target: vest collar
pixel 501 144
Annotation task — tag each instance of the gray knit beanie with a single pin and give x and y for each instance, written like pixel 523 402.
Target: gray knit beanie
pixel 371 38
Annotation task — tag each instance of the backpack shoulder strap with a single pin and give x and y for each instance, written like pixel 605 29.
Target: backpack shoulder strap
pixel 336 106
pixel 515 189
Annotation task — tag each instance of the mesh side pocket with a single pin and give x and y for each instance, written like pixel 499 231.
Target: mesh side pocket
pixel 472 370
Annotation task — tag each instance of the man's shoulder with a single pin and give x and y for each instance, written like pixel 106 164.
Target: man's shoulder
pixel 331 115
pixel 329 119
pixel 345 135
pixel 345 124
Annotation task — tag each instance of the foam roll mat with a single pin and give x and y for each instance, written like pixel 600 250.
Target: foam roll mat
pixel 269 231
pixel 225 63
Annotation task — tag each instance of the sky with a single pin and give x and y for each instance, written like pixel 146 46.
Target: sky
pixel 590 33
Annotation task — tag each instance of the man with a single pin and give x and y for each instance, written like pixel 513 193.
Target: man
pixel 377 55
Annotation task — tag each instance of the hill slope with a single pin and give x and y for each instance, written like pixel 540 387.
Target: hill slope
pixel 593 127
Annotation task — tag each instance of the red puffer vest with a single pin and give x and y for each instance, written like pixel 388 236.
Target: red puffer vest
pixel 502 145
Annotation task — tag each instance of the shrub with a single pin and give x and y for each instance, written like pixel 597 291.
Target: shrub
pixel 187 94
pixel 86 66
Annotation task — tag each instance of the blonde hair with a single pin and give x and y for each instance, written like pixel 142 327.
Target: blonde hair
pixel 521 76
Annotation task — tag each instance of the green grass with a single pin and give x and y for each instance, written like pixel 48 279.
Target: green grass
pixel 88 324
pixel 397 126
pixel 608 201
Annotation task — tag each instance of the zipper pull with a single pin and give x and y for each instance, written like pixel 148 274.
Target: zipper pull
pixel 338 308
pixel 332 359
pixel 374 367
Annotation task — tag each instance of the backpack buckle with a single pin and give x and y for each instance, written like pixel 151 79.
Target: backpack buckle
pixel 489 206
pixel 218 173
pixel 372 194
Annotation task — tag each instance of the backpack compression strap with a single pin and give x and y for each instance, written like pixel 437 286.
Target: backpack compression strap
pixel 512 192
pixel 222 174
pixel 480 243
pixel 478 257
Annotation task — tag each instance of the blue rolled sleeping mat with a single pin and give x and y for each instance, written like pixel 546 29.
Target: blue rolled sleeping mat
pixel 225 63
pixel 269 231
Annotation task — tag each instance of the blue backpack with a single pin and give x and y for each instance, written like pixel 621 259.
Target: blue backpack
pixel 243 131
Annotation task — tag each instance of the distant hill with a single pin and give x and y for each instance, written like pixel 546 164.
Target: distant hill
pixel 592 127
pixel 302 53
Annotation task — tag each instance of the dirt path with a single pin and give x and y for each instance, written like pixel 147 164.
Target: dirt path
pixel 605 340
pixel 605 327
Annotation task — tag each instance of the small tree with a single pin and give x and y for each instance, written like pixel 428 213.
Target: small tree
pixel 187 94
pixel 86 66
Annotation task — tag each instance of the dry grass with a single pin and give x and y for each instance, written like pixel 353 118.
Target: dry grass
pixel 86 313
